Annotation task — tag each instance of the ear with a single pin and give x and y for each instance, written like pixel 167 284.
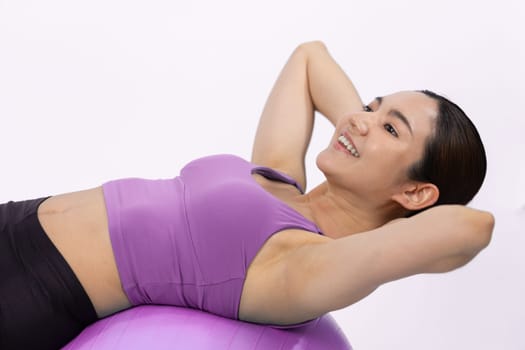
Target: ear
pixel 417 195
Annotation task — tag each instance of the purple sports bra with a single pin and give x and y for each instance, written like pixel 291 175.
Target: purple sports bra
pixel 188 241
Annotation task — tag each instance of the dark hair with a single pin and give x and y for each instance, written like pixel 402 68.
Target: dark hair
pixel 454 157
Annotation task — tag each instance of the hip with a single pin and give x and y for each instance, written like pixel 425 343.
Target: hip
pixel 39 294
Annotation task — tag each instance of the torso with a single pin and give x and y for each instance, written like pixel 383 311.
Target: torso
pixel 261 285
pixel 77 224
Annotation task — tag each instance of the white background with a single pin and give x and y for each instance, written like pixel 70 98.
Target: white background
pixel 96 90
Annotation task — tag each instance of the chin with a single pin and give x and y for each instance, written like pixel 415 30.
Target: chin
pixel 325 162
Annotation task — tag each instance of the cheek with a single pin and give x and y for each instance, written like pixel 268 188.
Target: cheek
pixel 389 162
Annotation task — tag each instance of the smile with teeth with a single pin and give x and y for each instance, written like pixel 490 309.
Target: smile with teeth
pixel 348 145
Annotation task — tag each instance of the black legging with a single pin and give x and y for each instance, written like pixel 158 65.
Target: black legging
pixel 42 303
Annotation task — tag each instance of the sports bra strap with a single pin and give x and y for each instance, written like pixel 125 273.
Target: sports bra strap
pixel 276 175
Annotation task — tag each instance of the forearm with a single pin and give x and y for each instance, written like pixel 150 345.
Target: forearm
pixel 332 93
pixel 468 231
pixel 439 239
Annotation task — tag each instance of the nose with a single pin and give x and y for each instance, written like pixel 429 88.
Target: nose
pixel 360 122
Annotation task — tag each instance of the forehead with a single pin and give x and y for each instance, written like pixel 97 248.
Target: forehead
pixel 420 109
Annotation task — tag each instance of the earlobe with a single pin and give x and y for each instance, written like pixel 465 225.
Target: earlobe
pixel 417 196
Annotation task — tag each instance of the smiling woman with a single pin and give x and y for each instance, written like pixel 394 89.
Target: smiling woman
pixel 452 165
pixel 244 239
pixel 389 135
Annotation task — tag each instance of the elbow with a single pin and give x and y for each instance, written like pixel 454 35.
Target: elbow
pixel 487 222
pixel 312 46
pixel 480 227
pixel 313 43
pixel 472 231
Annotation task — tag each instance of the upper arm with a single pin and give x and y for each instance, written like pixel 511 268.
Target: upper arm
pixel 310 81
pixel 286 123
pixel 338 273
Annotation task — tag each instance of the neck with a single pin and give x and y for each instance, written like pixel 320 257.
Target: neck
pixel 340 215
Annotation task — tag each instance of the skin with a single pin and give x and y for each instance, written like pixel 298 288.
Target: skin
pixel 297 275
pixel 387 148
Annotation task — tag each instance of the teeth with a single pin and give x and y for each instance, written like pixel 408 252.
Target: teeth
pixel 344 141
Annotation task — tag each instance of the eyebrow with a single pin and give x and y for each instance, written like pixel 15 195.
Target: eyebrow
pixel 397 114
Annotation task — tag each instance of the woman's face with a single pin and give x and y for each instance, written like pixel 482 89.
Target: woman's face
pixel 372 150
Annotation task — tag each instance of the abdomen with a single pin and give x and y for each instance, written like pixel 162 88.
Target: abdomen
pixel 77 224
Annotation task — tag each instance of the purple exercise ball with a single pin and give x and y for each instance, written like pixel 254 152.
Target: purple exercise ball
pixel 169 327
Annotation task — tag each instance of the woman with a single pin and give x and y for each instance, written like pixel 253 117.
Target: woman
pixel 240 239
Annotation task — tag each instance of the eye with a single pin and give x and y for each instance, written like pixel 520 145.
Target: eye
pixel 367 109
pixel 391 130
